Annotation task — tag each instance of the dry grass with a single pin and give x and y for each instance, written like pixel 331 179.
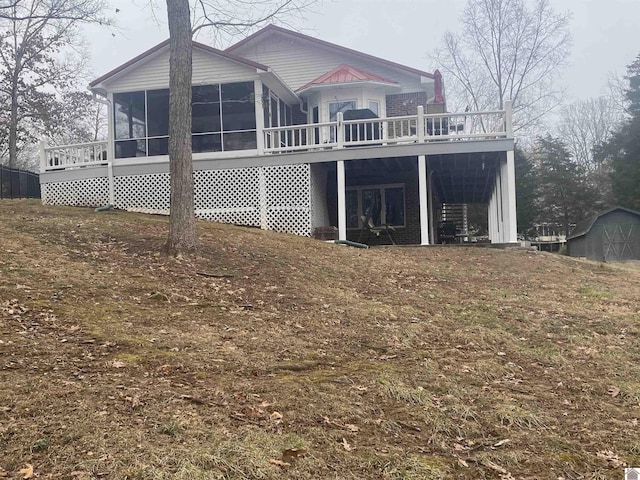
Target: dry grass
pixel 412 363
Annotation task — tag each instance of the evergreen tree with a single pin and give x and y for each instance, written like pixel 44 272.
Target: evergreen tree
pixel 623 149
pixel 564 195
pixel 624 152
pixel 526 191
pixel 633 91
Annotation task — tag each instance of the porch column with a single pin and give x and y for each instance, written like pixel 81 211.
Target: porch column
pixel 342 201
pixel 111 148
pixel 431 198
pixel 493 217
pixel 510 227
pixel 257 86
pixel 424 203
pixel 499 211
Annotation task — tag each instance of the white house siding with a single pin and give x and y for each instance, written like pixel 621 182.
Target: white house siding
pixel 298 62
pixel 207 69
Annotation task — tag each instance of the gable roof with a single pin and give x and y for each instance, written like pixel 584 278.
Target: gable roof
pixel 165 44
pixel 346 74
pixel 583 226
pixel 270 29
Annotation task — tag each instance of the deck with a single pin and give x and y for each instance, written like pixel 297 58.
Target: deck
pixel 466 132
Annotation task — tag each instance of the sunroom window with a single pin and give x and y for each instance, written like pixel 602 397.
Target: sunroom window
pixel 380 204
pixel 223 119
pixel 277 114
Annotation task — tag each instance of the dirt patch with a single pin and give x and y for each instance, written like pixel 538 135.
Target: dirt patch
pixel 414 363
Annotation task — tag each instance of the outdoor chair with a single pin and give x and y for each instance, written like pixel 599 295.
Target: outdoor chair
pixel 369 227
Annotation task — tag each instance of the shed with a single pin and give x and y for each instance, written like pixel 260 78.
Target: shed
pixel 610 236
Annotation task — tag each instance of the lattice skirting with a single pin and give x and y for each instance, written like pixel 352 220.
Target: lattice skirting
pixel 89 192
pixel 281 198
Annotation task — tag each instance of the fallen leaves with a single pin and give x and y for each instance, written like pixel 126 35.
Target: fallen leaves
pixel 346 426
pixel 346 445
pixel 501 443
pixel 26 472
pixel 276 416
pixel 351 427
pixel 613 391
pixel 289 456
pixel 386 357
pixel 612 460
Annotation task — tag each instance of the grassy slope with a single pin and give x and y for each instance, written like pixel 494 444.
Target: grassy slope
pixel 407 363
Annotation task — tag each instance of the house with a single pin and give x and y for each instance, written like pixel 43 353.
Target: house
pixel 294 134
pixel 610 236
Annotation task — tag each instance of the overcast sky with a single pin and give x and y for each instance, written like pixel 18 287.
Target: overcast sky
pixel 606 33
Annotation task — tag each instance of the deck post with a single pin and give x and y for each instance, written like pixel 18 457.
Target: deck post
pixel 259 111
pixel 489 219
pixel 424 204
pixel 111 136
pixel 112 187
pixel 340 130
pixel 431 201
pixel 43 157
pixel 420 124
pixel 508 118
pixel 494 219
pixel 498 204
pixel 510 230
pixel 342 201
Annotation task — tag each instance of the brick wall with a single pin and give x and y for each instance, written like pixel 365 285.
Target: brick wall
pixel 405 103
pixel 410 233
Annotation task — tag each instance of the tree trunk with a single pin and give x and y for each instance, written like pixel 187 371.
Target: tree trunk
pixel 182 225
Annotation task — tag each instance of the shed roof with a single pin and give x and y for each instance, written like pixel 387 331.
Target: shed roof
pixel 583 226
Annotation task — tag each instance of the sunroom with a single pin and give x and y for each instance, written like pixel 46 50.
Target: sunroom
pixel 233 100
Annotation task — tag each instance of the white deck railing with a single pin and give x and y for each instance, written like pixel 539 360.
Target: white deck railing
pixel 73 156
pixel 417 128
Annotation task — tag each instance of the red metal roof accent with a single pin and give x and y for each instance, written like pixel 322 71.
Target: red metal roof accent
pixel 275 28
pixel 346 74
pixel 160 46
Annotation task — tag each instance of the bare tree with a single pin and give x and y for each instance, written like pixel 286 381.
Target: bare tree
pixel 83 11
pixel 508 50
pixel 586 124
pixel 182 224
pixel 220 17
pixel 36 60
